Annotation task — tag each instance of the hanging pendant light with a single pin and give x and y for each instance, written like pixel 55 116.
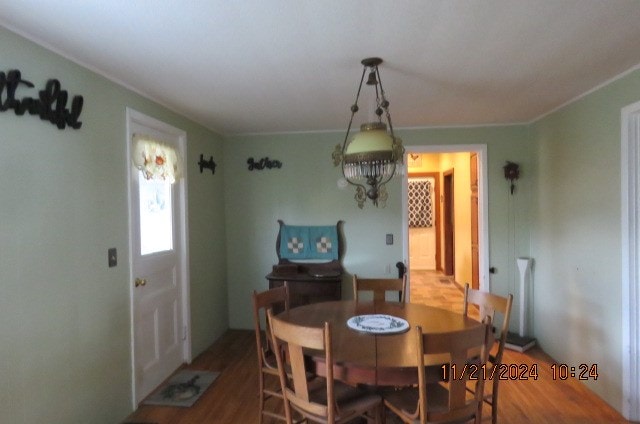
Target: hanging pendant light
pixel 373 156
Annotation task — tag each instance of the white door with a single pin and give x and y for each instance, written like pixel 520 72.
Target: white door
pixel 422 248
pixel 159 299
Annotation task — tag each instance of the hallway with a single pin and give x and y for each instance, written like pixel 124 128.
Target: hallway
pixel 433 288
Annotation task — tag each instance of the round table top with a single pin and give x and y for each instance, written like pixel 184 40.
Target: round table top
pixel 377 359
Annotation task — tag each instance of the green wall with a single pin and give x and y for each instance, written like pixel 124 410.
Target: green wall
pixel 304 191
pixel 64 315
pixel 576 239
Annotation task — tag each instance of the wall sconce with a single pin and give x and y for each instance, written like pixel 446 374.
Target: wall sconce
pixel 373 156
pixel 511 173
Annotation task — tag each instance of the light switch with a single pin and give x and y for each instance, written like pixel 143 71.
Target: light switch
pixel 112 254
pixel 389 239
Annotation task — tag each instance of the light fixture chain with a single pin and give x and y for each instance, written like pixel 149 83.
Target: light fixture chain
pixel 360 189
pixel 385 104
pixel 354 110
pixel 397 145
pixel 378 104
pixel 372 155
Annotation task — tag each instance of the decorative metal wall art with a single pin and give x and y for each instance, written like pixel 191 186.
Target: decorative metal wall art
pixel 51 104
pixel 209 164
pixel 264 163
pixel 511 173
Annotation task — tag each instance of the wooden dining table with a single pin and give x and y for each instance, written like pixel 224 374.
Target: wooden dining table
pixel 378 359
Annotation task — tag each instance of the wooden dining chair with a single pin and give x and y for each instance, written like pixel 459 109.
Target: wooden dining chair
pixel 379 287
pixel 489 304
pixel 267 365
pixel 317 399
pixel 448 401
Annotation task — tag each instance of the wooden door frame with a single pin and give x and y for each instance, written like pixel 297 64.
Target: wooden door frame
pixel 473 172
pixel 483 203
pixel 449 228
pixel 436 206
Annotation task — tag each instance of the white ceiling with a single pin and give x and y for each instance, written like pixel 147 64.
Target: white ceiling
pixel 261 66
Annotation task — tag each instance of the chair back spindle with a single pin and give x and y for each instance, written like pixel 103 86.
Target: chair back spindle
pixel 380 287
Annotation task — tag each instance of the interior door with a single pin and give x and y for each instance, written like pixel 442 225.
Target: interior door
pixel 157 270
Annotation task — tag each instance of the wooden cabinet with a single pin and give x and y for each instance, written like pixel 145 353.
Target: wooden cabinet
pixel 314 280
pixel 304 289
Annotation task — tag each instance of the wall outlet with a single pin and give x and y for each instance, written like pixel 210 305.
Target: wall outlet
pixel 387 269
pixel 389 239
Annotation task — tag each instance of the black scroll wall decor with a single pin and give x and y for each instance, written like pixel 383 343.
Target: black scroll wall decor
pixel 264 163
pixel 50 105
pixel 209 164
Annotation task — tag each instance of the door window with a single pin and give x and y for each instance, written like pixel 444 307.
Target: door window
pixel 156 215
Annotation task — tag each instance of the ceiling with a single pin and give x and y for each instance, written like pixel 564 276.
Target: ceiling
pixel 269 66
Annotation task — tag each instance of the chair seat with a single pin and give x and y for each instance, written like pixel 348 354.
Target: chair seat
pixel 407 398
pixel 351 400
pixel 405 401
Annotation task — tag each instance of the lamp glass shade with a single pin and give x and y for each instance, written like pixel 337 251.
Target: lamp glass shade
pixel 370 153
pixel 371 138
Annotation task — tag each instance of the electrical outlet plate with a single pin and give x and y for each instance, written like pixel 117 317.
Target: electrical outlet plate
pixel 389 239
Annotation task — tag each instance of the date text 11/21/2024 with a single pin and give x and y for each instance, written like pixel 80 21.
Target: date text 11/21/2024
pixel 518 372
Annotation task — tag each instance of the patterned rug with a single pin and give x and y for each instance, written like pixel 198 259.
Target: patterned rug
pixel 183 389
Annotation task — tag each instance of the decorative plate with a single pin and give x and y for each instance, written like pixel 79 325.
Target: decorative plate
pixel 378 324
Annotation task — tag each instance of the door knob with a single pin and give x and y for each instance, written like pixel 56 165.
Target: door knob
pixel 140 282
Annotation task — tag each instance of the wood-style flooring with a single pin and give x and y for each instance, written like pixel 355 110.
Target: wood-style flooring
pixel 435 289
pixel 233 398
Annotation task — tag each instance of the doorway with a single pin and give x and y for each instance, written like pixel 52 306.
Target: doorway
pixel 462 192
pixel 159 298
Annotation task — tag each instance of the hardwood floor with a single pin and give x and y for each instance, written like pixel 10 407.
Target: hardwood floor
pixel 233 398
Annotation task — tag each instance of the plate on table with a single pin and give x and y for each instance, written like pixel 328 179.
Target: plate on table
pixel 378 324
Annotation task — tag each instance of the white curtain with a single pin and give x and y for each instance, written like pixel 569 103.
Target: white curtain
pixel 156 160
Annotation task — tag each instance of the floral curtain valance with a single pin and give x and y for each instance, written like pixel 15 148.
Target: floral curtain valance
pixel 156 160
